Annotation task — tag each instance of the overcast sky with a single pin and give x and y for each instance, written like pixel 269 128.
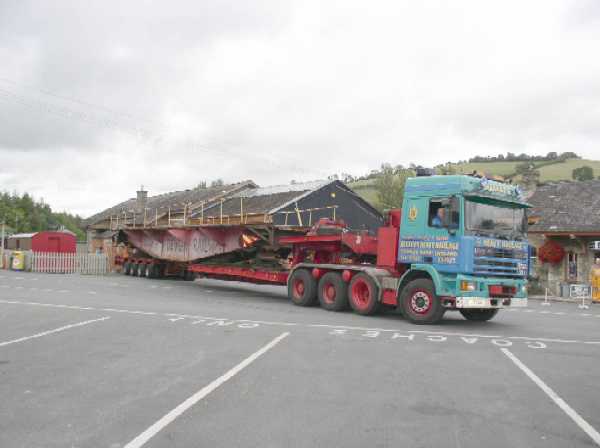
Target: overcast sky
pixel 99 97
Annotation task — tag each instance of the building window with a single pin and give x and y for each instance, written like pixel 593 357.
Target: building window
pixel 572 267
pixel 533 255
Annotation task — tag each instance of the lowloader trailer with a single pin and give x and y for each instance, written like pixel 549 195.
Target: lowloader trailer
pixel 458 244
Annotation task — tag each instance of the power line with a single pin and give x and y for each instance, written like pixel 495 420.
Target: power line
pixel 73 100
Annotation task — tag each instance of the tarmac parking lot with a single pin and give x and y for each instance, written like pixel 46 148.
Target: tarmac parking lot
pixel 128 362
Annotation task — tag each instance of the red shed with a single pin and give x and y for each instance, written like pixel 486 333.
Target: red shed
pixel 47 241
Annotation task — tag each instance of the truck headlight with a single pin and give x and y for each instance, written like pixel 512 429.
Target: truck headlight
pixel 466 285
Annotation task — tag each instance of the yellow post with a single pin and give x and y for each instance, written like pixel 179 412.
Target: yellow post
pixel 595 274
pixel 298 215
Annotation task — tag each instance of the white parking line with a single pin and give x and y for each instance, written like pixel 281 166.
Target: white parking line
pixel 172 415
pixel 562 404
pixel 56 330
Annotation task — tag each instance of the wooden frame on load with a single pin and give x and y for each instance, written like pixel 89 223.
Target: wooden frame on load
pixel 125 220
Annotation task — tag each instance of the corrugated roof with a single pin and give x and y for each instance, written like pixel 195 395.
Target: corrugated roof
pixel 265 200
pixel 32 234
pixel 566 207
pixel 23 235
pixel 277 189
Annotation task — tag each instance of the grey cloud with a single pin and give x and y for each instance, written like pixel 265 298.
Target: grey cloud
pixel 97 98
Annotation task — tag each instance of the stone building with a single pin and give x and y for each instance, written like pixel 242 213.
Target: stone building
pixel 566 214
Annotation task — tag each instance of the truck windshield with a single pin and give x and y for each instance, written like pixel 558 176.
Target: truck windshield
pixel 494 220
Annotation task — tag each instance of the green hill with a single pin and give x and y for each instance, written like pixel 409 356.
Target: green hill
pixel 549 171
pixel 559 170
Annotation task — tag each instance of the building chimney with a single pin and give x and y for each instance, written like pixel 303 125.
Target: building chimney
pixel 141 200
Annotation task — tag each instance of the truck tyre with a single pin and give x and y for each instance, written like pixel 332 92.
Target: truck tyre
pixel 302 288
pixel 126 268
pixel 333 292
pixel 149 271
pixel 420 304
pixel 362 294
pixel 189 276
pixel 135 269
pixel 479 315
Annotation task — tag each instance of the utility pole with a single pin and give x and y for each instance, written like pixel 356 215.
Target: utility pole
pixel 2 246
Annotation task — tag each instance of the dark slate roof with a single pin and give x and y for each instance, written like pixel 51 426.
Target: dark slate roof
pixel 265 200
pixel 175 200
pixel 566 207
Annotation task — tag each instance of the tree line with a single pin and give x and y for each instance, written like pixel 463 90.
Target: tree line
pixel 511 157
pixel 23 214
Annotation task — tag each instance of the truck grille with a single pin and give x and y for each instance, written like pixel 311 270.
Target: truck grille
pixel 496 266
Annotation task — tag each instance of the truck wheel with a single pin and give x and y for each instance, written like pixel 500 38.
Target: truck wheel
pixel 189 276
pixel 149 271
pixel 135 269
pixel 362 294
pixel 127 268
pixel 302 288
pixel 420 304
pixel 479 315
pixel 333 292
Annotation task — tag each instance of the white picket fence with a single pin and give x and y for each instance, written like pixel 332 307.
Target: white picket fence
pixel 58 263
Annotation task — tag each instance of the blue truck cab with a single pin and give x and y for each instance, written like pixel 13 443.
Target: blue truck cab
pixel 463 246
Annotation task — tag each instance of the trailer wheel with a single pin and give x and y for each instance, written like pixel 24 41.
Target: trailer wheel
pixel 126 268
pixel 479 315
pixel 135 269
pixel 333 292
pixel 302 288
pixel 156 271
pixel 149 271
pixel 362 293
pixel 189 276
pixel 420 304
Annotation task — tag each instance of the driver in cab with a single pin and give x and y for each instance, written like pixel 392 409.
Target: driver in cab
pixel 438 220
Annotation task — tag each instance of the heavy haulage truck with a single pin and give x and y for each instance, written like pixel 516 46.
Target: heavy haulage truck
pixel 458 243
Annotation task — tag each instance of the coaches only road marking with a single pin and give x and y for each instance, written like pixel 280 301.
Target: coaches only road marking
pixel 336 329
pixel 562 404
pixel 56 330
pixel 172 415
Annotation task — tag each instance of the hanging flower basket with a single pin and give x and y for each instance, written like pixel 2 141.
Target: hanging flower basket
pixel 551 252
